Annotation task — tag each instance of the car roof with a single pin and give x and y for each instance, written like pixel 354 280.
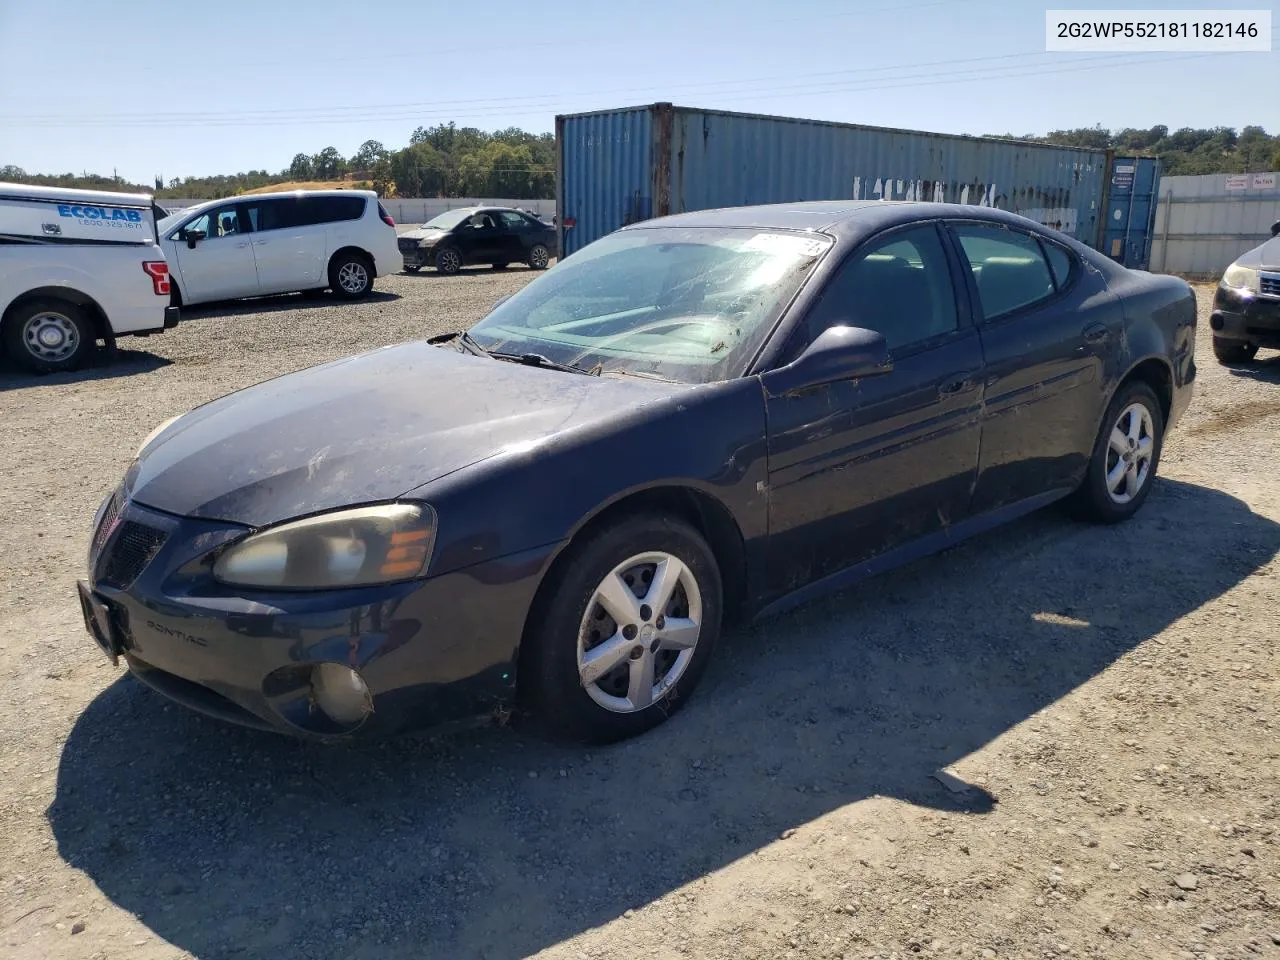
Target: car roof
pixel 840 218
pixel 21 191
pixel 276 195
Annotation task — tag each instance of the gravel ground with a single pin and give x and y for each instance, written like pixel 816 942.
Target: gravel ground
pixel 1104 698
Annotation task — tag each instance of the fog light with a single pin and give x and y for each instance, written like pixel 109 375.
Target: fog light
pixel 1215 322
pixel 340 693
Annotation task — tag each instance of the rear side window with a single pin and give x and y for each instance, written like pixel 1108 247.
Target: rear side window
pixel 313 210
pixel 1008 266
pixel 1059 261
pixel 274 214
pixel 514 221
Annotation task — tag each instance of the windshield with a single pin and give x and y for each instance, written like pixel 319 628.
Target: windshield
pixel 690 304
pixel 447 220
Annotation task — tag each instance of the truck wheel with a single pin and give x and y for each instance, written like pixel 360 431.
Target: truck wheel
pixel 49 336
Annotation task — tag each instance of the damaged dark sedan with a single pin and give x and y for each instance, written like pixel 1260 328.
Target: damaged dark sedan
pixel 701 416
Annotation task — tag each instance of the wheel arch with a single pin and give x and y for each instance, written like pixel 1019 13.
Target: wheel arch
pixel 701 510
pixel 1157 373
pixel 77 298
pixel 351 248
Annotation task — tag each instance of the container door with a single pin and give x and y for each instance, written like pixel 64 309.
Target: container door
pixel 1131 210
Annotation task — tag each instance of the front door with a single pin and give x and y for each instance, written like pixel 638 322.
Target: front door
pixel 220 266
pixel 479 239
pixel 856 469
pixel 1048 327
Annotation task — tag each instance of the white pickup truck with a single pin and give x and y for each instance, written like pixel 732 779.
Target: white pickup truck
pixel 76 267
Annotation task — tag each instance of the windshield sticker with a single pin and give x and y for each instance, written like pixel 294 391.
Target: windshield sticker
pixel 785 243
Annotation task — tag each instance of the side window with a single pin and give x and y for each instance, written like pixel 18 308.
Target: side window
pixel 479 221
pixel 1008 266
pixel 275 214
pixel 898 286
pixel 513 221
pixel 1059 261
pixel 200 223
pixel 347 208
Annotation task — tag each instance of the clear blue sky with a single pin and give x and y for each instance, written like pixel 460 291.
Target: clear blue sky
pixel 196 88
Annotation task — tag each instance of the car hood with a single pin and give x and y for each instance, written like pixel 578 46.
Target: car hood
pixel 364 429
pixel 423 233
pixel 1269 254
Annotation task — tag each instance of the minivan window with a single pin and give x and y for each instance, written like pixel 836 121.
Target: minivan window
pixel 314 210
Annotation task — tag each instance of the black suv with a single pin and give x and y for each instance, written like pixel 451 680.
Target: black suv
pixel 469 235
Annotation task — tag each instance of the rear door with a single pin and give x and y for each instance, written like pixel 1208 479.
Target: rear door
pixel 517 235
pixel 1047 327
pixel 221 265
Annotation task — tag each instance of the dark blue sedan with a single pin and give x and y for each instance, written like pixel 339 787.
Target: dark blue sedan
pixel 711 414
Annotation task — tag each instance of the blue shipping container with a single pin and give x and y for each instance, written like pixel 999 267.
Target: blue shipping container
pixel 620 166
pixel 1131 210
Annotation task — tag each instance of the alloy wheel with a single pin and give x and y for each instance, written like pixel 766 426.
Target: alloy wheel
pixel 1130 450
pixel 639 631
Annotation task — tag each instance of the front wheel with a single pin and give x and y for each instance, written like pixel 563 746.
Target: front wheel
pixel 625 630
pixel 49 336
pixel 1125 456
pixel 539 257
pixel 448 261
pixel 1233 351
pixel 351 276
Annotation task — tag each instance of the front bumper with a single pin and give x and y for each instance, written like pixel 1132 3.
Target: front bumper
pixel 430 651
pixel 1242 315
pixel 416 256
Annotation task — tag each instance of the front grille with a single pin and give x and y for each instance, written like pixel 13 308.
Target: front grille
pixel 408 245
pixel 1269 284
pixel 129 553
pixel 104 527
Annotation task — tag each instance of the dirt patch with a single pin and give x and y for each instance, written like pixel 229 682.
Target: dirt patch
pixel 1104 700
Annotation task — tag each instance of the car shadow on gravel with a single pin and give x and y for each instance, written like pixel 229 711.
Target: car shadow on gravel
pixel 1266 369
pixel 126 363
pixel 490 843
pixel 277 303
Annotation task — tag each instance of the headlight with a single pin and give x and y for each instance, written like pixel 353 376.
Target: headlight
pixel 1245 278
pixel 349 548
pixel 153 434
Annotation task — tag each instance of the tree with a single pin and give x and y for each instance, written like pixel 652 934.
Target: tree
pixel 418 171
pixel 328 164
pixel 10 172
pixel 383 179
pixel 302 168
pixel 370 152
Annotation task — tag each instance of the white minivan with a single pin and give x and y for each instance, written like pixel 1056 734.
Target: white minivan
pixel 269 243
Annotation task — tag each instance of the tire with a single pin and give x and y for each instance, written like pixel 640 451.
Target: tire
pixel 569 621
pixel 1105 502
pixel 351 275
pixel 49 336
pixel 539 257
pixel 1233 351
pixel 448 261
pixel 409 269
pixel 499 266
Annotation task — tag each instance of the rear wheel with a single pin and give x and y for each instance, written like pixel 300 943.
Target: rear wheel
pixel 1234 351
pixel 539 256
pixel 448 261
pixel 49 336
pixel 625 630
pixel 351 275
pixel 1125 456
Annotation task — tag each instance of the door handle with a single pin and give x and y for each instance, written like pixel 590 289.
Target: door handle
pixel 957 385
pixel 1095 333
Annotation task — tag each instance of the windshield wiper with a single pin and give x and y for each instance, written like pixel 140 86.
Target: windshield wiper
pixel 541 360
pixel 463 337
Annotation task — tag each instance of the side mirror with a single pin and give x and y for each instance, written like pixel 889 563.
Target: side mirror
pixel 194 237
pixel 838 354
